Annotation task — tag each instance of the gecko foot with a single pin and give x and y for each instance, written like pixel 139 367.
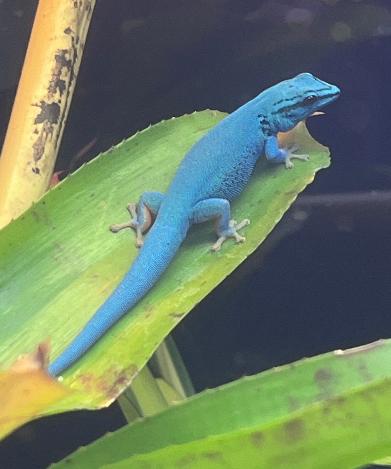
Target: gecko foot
pixel 290 155
pixel 231 232
pixel 133 223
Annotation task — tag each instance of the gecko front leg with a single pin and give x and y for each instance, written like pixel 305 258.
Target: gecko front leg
pixel 142 215
pixel 282 155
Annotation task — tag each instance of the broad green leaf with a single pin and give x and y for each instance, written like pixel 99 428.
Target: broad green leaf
pixel 59 261
pixel 331 411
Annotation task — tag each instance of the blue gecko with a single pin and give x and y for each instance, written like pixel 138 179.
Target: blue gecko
pixel 213 172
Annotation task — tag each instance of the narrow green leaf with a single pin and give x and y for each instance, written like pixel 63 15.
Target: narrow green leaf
pixel 334 435
pixel 59 261
pixel 331 411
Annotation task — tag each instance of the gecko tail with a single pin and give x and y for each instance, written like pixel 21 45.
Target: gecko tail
pixel 160 246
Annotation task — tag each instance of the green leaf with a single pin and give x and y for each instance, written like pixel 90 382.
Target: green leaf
pixel 60 262
pixel 331 411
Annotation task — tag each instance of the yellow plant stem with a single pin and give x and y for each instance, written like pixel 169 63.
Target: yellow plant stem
pixel 42 102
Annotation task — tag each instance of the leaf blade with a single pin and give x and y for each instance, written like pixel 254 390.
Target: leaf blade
pixel 61 255
pixel 327 411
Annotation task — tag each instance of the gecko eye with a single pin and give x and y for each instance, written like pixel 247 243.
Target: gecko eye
pixel 310 99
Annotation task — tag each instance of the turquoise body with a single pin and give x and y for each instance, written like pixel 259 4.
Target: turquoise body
pixel 214 172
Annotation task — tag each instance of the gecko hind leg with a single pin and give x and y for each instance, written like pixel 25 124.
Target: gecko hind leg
pixel 219 210
pixel 142 215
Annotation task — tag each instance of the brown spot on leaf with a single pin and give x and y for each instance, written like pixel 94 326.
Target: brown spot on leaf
pixel 332 404
pixel 364 371
pixel 325 380
pixel 40 216
pixel 290 193
pixel 339 400
pixel 121 383
pixel 323 376
pixel 294 430
pixel 111 385
pixel 87 381
pixel 293 403
pixel 35 215
pixel 256 439
pixel 177 315
pixel 213 456
pixel 185 461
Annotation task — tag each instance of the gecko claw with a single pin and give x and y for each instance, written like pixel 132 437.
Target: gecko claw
pixel 290 155
pixel 231 232
pixel 139 240
pixel 133 224
pixel 119 227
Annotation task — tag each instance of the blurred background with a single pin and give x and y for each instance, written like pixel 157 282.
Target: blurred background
pixel 322 279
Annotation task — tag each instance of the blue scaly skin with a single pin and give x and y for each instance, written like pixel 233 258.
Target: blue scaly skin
pixel 214 171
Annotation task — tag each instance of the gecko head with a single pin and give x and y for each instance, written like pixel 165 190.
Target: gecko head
pixel 296 99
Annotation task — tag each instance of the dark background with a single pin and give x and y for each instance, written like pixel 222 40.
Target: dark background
pixel 321 281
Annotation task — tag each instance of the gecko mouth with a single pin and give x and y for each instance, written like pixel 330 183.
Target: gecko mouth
pixel 325 100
